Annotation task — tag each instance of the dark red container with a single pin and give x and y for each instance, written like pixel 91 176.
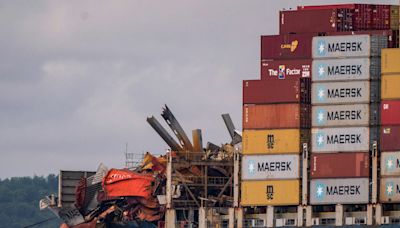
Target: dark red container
pixel 286 69
pixel 390 138
pixel 360 14
pixel 339 165
pixel 274 116
pixel 338 6
pixel 287 46
pixel 276 91
pixel 322 20
pixel 381 17
pixel 390 112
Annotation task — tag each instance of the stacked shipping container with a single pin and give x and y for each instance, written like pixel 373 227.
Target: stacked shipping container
pixel 390 127
pixel 345 90
pixel 276 111
pixel 345 94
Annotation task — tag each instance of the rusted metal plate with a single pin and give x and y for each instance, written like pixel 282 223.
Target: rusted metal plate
pixel 339 165
pixel 276 116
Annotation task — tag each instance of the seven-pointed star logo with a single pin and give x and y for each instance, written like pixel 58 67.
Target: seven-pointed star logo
pixel 320 116
pixel 390 163
pixel 321 71
pixel 321 47
pixel 320 191
pixel 320 140
pixel 251 167
pixel 389 188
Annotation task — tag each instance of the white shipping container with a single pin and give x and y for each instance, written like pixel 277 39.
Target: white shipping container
pixel 345 92
pixel 345 69
pixel 345 115
pixel 340 139
pixel 339 191
pixel 270 167
pixel 347 46
pixel 390 163
pixel 390 190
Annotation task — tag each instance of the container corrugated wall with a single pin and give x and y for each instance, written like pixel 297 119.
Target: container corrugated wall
pixel 390 61
pixel 272 192
pixel 344 70
pixel 339 191
pixel 390 87
pixel 339 165
pixel 348 46
pixel 274 141
pixel 270 167
pixel 274 116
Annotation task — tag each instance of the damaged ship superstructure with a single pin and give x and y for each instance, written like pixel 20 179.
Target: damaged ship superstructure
pixel 188 186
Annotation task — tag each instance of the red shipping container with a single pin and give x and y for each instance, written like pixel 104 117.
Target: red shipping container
pixel 338 6
pixel 288 46
pixel 390 112
pixel 286 69
pixel 273 116
pixel 360 14
pixel 307 21
pixel 339 165
pixel 275 91
pixel 381 17
pixel 390 138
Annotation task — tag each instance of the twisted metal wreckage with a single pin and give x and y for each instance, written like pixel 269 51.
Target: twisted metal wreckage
pixel 186 178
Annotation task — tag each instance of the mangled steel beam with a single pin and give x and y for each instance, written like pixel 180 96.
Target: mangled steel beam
pixel 197 140
pixel 236 138
pixel 164 134
pixel 229 124
pixel 176 128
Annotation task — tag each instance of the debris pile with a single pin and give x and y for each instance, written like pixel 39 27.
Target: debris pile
pixel 137 197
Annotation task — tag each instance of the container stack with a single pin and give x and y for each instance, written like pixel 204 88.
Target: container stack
pixel 390 127
pixel 276 122
pixel 344 19
pixel 345 96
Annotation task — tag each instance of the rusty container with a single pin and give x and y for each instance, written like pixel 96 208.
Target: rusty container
pixel 390 136
pixel 267 92
pixel 339 165
pixel 390 112
pixel 274 116
pixel 287 46
pixel 274 141
pixel 285 69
